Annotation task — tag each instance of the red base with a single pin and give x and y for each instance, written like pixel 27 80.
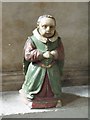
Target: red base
pixel 38 103
pixel 49 103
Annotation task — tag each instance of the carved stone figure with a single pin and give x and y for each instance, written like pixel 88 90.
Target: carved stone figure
pixel 43 65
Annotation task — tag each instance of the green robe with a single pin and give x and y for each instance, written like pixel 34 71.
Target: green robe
pixel 35 74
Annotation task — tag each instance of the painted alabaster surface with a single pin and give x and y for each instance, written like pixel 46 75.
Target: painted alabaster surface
pixel 43 64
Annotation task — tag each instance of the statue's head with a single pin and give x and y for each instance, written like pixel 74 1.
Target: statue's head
pixel 46 25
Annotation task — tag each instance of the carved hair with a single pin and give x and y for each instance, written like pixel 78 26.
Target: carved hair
pixel 45 16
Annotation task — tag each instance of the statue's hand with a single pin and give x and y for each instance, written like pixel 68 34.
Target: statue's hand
pixel 47 54
pixel 54 53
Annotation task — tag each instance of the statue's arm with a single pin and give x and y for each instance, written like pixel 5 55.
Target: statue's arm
pixel 31 53
pixel 61 56
pixel 58 53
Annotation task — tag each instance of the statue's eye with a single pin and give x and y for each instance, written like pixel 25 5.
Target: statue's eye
pixel 51 27
pixel 44 26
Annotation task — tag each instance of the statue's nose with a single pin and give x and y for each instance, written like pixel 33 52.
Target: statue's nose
pixel 48 29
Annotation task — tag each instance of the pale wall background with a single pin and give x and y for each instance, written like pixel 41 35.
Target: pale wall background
pixel 18 21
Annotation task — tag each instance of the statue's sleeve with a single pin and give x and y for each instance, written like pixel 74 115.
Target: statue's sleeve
pixel 61 56
pixel 31 53
pixel 60 50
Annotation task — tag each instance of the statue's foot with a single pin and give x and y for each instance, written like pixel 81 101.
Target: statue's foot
pixel 22 92
pixel 59 104
pixel 30 105
pixel 24 99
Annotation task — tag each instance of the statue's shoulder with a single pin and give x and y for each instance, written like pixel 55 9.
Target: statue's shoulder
pixel 30 39
pixel 58 39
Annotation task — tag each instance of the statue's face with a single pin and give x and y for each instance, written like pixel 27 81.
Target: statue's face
pixel 47 27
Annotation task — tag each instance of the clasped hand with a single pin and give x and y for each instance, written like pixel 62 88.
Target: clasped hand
pixel 47 54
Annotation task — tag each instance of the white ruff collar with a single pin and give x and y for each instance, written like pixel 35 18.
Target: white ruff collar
pixel 43 39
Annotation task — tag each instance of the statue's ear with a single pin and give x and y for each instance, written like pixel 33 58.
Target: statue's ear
pixel 37 25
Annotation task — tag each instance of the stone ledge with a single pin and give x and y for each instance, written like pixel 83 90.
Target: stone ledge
pixel 75 105
pixel 72 76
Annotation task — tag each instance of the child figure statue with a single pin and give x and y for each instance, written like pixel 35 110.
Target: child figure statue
pixel 43 65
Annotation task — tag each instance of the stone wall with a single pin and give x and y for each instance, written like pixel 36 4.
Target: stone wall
pixel 18 21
